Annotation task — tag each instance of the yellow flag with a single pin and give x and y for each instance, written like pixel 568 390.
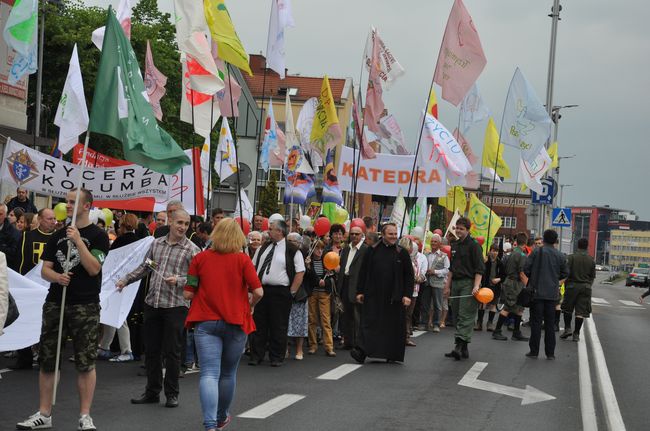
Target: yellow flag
pixel 432 106
pixel 485 222
pixel 552 152
pixel 493 152
pixel 326 131
pixel 222 30
pixel 455 199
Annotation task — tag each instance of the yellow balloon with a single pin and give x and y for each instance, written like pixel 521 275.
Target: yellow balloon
pixel 340 215
pixel 108 216
pixel 60 211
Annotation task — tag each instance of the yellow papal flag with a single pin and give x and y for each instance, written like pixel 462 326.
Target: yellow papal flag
pixel 326 131
pixel 485 222
pixel 455 199
pixel 222 30
pixel 552 153
pixel 493 152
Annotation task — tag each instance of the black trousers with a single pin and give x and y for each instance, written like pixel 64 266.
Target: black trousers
pixel 542 309
pixel 350 318
pixel 272 321
pixel 163 328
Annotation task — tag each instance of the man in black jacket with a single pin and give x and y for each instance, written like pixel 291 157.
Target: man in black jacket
pixel 351 260
pixel 9 239
pixel 22 201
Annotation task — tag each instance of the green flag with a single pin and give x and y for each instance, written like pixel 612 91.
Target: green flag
pixel 120 108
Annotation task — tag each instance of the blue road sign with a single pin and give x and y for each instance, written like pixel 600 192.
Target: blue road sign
pixel 548 192
pixel 561 217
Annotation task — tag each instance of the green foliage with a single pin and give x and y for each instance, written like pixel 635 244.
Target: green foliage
pixel 438 218
pixel 74 23
pixel 268 196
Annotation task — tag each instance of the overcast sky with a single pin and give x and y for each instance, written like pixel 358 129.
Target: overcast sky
pixel 602 64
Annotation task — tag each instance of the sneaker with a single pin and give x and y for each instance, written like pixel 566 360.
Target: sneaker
pixel 566 334
pixel 224 424
pixel 436 328
pixel 86 423
pixel 37 421
pixel 124 357
pixel 490 326
pixel 576 336
pixel 104 354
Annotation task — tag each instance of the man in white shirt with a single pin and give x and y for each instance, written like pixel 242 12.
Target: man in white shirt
pixel 437 272
pixel 280 267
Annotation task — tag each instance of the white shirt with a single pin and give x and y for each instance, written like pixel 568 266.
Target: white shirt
pixel 277 274
pixel 353 252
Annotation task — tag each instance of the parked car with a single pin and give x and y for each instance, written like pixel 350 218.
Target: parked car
pixel 638 277
pixel 603 268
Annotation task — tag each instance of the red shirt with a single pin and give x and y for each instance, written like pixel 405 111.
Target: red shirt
pixel 221 283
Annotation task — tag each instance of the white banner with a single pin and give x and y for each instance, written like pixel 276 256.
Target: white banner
pixel 387 174
pixel 41 173
pixel 30 291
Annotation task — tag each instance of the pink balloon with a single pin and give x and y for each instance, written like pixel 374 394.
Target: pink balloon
pixel 480 240
pixel 357 222
pixel 265 224
pixel 438 231
pixel 447 250
pixel 245 224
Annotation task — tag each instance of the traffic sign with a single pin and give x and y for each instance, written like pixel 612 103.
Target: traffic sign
pixel 548 192
pixel 561 217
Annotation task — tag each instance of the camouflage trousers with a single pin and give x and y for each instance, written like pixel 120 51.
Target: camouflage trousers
pixel 81 324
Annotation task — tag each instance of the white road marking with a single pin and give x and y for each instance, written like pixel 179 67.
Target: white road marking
pixel 607 394
pixel 632 308
pixel 5 370
pixel 587 407
pixel 530 395
pixel 629 303
pixel 418 333
pixel 599 300
pixel 271 407
pixel 339 372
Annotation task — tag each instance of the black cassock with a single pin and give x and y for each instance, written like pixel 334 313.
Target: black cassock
pixel 386 277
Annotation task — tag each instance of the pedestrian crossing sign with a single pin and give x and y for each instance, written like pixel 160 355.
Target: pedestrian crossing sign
pixel 561 217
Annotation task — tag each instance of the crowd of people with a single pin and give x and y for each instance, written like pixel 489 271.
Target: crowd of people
pixel 209 295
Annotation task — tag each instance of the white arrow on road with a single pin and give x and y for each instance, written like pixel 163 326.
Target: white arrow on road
pixel 530 395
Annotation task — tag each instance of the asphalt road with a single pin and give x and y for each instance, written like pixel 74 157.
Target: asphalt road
pixel 421 394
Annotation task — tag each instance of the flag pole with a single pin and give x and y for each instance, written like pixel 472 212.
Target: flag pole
pixel 209 206
pixel 66 268
pixel 234 135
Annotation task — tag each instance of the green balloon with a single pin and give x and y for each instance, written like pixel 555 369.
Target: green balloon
pixel 60 211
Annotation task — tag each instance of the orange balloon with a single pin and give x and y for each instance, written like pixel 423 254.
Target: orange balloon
pixel 484 295
pixel 331 260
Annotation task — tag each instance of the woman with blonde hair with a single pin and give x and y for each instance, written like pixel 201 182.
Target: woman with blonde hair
pixel 218 282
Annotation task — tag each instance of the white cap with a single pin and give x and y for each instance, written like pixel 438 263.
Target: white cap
pixel 507 246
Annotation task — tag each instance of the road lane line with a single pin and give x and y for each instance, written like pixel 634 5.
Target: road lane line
pixel 629 303
pixel 587 408
pixel 271 407
pixel 339 372
pixel 607 394
pixel 599 301
pixel 418 333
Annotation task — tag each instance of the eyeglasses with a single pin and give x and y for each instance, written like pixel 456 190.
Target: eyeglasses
pixel 354 233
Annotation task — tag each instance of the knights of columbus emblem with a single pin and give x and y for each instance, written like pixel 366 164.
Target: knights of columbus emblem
pixel 21 167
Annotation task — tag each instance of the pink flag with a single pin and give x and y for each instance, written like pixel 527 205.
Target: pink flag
pixel 154 83
pixel 366 150
pixel 374 103
pixel 461 59
pixel 467 148
pixel 225 104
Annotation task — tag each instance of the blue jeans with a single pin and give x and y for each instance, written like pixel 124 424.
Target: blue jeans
pixel 219 346
pixel 189 347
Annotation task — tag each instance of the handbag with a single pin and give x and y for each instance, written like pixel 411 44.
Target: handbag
pixel 337 303
pixel 527 295
pixel 12 311
pixel 301 294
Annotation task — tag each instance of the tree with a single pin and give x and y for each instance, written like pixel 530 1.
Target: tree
pixel 438 217
pixel 269 196
pixel 74 23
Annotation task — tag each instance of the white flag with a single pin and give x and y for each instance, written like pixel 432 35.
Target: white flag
pixel 526 124
pixel 472 110
pixel 294 150
pixel 205 166
pixel 225 164
pixel 438 146
pixel 205 110
pixel 390 67
pixel 304 125
pixel 399 212
pixel 246 204
pixel 452 224
pixel 281 18
pixel 72 113
pixel 123 16
pixel 531 173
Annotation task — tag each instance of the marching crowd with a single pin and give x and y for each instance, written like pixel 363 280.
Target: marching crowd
pixel 209 295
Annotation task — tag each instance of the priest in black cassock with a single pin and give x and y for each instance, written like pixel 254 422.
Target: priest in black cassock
pixel 385 287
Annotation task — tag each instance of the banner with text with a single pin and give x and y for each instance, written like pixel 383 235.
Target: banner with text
pixel 25 167
pixel 388 173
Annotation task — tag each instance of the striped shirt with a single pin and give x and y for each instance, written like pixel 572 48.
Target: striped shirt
pixel 171 259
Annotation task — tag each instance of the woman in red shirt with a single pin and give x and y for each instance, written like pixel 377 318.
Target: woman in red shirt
pixel 218 282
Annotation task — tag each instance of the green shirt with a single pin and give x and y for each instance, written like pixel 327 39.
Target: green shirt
pixel 466 259
pixel 515 264
pixel 582 268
